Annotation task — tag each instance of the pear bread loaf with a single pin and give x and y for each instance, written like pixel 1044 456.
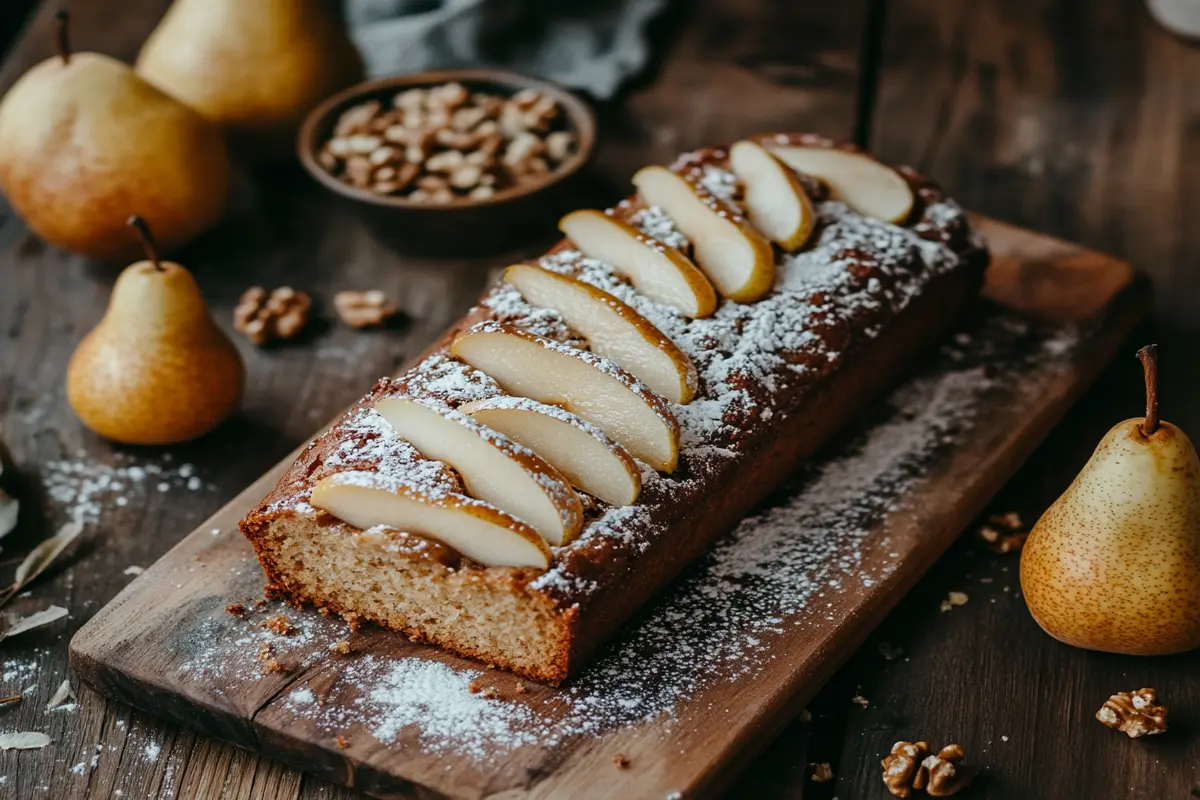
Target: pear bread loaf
pixel 607 411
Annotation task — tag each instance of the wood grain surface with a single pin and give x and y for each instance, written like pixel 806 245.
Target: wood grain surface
pixel 1078 119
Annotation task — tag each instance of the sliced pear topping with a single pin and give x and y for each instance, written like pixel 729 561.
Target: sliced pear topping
pixel 734 256
pixel 660 272
pixel 856 179
pixel 775 200
pixel 578 449
pixel 612 329
pixel 479 531
pixel 493 468
pixel 587 385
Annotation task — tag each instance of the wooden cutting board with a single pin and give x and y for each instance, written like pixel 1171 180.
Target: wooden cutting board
pixel 707 676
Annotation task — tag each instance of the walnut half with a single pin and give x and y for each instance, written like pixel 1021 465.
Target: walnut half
pixel 363 309
pixel 1004 533
pixel 901 764
pixel 263 316
pixel 941 775
pixel 1135 714
pixel 910 766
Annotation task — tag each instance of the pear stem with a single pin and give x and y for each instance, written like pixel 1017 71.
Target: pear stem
pixel 148 243
pixel 64 41
pixel 1148 355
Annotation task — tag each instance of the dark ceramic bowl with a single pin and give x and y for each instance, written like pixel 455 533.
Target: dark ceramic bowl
pixel 511 217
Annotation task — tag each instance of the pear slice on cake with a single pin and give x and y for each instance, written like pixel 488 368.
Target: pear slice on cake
pixel 735 257
pixel 859 181
pixel 775 201
pixel 582 452
pixel 493 468
pixel 662 273
pixel 590 386
pixel 613 329
pixel 479 531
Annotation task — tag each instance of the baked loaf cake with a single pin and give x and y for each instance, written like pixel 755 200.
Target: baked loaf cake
pixel 605 413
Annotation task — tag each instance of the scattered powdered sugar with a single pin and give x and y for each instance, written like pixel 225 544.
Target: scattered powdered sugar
pixel 655 223
pixel 450 381
pixel 780 569
pixel 429 698
pixel 506 304
pixel 365 444
pixel 151 752
pixel 302 697
pixel 84 487
pixel 720 183
pixel 19 670
pixel 371 441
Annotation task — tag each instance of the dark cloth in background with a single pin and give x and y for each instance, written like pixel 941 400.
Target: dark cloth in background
pixel 589 45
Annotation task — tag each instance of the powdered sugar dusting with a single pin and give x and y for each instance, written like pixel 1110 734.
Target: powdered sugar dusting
pixel 364 442
pixel 505 304
pixel 452 382
pixel 655 223
pixel 84 487
pixel 428 698
pixel 720 183
pixel 369 439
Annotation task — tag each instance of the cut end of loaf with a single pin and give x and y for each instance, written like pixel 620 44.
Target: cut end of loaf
pixel 488 614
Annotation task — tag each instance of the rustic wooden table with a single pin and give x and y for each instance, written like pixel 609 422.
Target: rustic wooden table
pixel 1078 119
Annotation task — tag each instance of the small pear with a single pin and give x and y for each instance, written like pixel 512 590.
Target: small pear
pixel 85 142
pixel 255 67
pixel 156 370
pixel 1114 564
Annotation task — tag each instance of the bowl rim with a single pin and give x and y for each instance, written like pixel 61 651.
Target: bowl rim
pixel 579 115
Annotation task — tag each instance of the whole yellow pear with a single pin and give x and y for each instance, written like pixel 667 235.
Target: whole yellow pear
pixel 255 68
pixel 85 143
pixel 156 369
pixel 1114 564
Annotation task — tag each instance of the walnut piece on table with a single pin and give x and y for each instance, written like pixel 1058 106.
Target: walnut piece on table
pixel 941 775
pixel 900 766
pixel 821 773
pixel 910 766
pixel 1004 533
pixel 363 309
pixel 263 316
pixel 1135 714
pixel 953 600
